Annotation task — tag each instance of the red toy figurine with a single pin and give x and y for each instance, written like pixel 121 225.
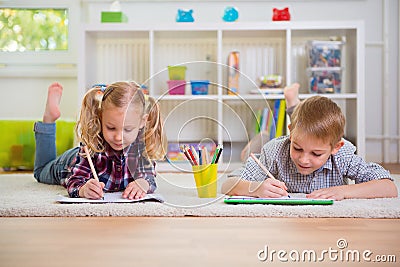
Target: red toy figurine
pixel 280 14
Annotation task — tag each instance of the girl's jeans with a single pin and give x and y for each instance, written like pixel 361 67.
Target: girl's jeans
pixel 49 168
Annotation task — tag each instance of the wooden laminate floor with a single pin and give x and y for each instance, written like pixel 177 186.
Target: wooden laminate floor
pixel 188 241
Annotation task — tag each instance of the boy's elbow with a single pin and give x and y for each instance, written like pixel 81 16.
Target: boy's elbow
pixel 394 191
pixel 391 188
pixel 229 185
pixel 226 188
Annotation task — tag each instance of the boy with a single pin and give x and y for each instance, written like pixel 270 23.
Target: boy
pixel 314 159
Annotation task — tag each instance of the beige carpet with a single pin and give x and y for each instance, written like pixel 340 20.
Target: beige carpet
pixel 21 195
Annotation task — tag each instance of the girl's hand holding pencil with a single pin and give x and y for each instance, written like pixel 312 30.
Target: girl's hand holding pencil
pixel 92 189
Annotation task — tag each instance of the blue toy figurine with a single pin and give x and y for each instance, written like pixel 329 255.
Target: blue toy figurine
pixel 230 14
pixel 184 15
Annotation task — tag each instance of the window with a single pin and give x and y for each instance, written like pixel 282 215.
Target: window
pixel 39 37
pixel 33 29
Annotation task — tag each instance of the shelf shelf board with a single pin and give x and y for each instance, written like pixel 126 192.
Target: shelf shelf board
pixel 332 96
pixel 225 26
pixel 250 96
pixel 185 97
pixel 195 26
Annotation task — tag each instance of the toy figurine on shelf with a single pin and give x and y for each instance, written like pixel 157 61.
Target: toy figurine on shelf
pixel 184 15
pixel 270 81
pixel 280 14
pixel 231 14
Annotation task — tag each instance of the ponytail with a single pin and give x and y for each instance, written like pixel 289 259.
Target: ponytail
pixel 154 136
pixel 88 127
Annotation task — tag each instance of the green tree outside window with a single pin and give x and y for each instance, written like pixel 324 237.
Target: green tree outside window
pixel 33 29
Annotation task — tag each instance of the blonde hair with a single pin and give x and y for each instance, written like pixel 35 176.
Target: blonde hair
pixel 320 117
pixel 120 94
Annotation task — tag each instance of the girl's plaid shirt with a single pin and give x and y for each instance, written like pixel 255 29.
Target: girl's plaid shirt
pixel 115 169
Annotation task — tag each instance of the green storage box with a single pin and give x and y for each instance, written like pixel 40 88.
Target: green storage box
pixel 17 148
pixel 113 16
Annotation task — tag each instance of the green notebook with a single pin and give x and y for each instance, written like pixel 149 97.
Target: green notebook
pixel 277 201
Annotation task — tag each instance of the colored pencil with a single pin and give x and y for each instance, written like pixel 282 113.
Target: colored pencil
pixel 207 155
pixel 192 156
pixel 203 155
pixel 194 153
pixel 200 157
pixel 215 154
pixel 185 152
pixel 219 154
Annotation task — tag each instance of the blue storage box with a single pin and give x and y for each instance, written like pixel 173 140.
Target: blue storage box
pixel 200 87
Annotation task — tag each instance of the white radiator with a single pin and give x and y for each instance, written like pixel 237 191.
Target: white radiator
pixel 122 60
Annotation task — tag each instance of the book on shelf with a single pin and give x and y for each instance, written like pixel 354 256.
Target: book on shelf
pixel 272 120
pixel 280 122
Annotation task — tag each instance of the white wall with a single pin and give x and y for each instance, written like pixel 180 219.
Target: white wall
pixel 25 77
pixel 28 94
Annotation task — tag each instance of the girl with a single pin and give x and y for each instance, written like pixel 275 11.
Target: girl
pixel 122 130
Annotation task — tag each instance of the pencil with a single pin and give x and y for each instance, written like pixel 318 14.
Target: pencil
pixel 194 154
pixel 204 155
pixel 90 163
pixel 191 155
pixel 207 156
pixel 183 149
pixel 215 154
pixel 200 158
pixel 219 154
pixel 262 166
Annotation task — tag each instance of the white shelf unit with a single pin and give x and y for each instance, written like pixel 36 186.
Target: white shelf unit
pixel 111 52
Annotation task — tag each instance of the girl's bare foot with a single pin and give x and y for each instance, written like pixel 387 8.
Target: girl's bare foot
pixel 52 111
pixel 291 94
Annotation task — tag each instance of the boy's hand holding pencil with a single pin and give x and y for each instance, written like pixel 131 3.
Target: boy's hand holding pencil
pixel 269 187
